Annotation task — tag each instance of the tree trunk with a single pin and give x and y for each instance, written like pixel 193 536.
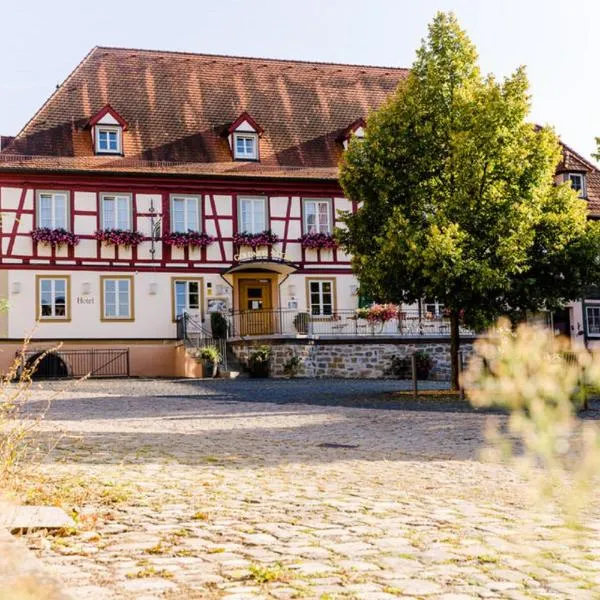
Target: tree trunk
pixel 454 349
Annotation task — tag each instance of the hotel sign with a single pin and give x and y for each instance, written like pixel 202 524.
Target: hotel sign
pixel 260 255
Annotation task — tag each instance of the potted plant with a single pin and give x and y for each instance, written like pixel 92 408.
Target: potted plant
pixel 54 237
pixel 218 325
pixel 119 237
pixel 317 241
pixel 210 357
pixel 255 240
pixel 194 239
pixel 258 363
pixel 301 321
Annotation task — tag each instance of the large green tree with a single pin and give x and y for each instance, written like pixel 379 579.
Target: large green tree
pixel 458 198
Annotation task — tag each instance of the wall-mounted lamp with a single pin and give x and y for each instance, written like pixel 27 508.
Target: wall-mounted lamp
pixel 85 288
pixel 16 287
pixel 152 288
pixel 354 290
pixel 291 290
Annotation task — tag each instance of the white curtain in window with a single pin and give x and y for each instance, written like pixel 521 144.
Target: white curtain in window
pixel 252 215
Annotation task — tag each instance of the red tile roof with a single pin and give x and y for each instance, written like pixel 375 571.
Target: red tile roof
pixel 179 106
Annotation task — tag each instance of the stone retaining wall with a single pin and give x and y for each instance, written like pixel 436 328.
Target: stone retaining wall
pixel 355 358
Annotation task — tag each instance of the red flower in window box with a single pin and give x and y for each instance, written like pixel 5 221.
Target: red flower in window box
pixel 54 237
pixel 318 240
pixel 119 237
pixel 189 238
pixel 255 240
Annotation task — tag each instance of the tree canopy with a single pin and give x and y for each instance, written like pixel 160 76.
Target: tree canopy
pixel 458 195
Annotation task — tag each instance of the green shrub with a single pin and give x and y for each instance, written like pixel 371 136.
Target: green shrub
pixel 218 325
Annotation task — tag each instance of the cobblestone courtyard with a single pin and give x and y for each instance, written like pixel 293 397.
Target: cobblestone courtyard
pixel 235 489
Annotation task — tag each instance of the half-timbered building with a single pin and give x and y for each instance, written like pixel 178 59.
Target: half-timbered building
pixel 153 184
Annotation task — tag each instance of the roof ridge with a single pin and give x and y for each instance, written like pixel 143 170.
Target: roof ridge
pixel 56 91
pixel 253 58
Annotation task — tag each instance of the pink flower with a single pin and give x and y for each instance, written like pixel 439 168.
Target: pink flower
pixel 190 238
pixel 119 237
pixel 379 313
pixel 318 240
pixel 254 240
pixel 54 237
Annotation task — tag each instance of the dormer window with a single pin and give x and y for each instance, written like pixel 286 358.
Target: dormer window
pixel 577 183
pixel 108 140
pixel 244 138
pixel 245 146
pixel 354 130
pixel 107 128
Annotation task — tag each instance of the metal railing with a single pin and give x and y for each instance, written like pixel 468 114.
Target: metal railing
pixel 194 335
pixel 340 323
pixel 49 364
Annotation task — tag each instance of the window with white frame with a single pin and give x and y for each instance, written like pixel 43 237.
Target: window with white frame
pixel 317 216
pixel 320 297
pixel 53 298
pixel 52 210
pixel 432 308
pixel 117 298
pixel 108 139
pixel 185 213
pixel 592 315
pixel 116 211
pixel 187 296
pixel 577 181
pixel 252 214
pixel 245 146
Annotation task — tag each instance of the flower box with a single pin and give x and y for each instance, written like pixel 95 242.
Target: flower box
pixel 119 237
pixel 54 237
pixel 378 313
pixel 318 240
pixel 189 238
pixel 255 240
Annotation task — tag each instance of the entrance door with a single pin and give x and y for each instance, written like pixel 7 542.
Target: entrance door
pixel 256 316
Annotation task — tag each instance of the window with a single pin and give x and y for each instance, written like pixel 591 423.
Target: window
pixel 592 314
pixel 185 213
pixel 317 216
pixel 53 298
pixel 108 140
pixel 52 210
pixel 245 146
pixel 187 296
pixel 321 297
pixel 432 308
pixel 253 218
pixel 577 183
pixel 117 295
pixel 116 211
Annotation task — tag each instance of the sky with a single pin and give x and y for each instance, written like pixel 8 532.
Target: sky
pixel 44 40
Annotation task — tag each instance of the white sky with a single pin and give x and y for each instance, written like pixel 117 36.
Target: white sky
pixel 43 40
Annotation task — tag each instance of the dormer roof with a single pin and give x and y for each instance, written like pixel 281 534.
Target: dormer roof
pixel 245 123
pixel 108 116
pixel 359 124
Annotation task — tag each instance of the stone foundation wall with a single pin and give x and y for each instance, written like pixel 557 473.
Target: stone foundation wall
pixel 352 359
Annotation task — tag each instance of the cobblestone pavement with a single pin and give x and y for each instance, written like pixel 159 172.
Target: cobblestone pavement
pixel 234 489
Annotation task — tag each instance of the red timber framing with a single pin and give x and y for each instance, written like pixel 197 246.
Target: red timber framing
pixel 162 186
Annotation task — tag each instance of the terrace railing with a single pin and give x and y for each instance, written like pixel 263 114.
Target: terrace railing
pixel 285 322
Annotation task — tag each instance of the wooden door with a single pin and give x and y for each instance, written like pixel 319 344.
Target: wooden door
pixel 256 315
